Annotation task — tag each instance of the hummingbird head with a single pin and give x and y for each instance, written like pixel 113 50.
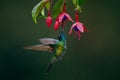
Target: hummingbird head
pixel 61 36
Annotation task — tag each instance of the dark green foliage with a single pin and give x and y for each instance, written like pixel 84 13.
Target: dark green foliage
pixel 57 8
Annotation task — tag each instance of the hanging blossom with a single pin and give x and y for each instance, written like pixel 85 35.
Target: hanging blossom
pixel 78 27
pixel 49 19
pixel 62 18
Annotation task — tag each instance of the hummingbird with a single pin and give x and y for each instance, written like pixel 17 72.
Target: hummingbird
pixel 57 47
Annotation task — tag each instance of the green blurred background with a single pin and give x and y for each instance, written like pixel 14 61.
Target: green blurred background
pixel 95 57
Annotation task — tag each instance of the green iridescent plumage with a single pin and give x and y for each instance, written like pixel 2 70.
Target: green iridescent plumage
pixel 56 47
pixel 59 49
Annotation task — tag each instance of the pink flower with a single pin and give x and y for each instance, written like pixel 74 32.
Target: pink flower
pixel 78 28
pixel 49 21
pixel 61 18
pixel 64 16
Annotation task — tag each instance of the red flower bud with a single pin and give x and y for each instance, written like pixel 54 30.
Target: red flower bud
pixel 49 21
pixel 56 25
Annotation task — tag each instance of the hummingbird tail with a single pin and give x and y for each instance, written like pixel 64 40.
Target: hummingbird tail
pixel 54 60
pixel 49 67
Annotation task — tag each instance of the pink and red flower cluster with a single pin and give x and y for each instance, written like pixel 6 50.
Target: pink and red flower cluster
pixel 78 27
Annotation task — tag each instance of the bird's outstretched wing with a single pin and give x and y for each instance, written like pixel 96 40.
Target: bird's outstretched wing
pixel 40 48
pixel 48 41
pixel 47 44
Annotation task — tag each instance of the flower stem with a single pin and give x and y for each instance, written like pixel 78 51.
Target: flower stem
pixel 50 7
pixel 64 6
pixel 77 16
pixel 48 12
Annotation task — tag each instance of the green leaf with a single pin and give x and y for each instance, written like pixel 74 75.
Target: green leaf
pixel 37 10
pixel 42 14
pixel 57 8
pixel 78 4
pixel 75 2
pixel 43 11
pixel 48 5
pixel 79 8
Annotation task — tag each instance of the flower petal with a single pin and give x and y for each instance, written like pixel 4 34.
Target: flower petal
pixel 85 29
pixel 70 32
pixel 61 16
pixel 80 26
pixel 68 16
pixel 79 35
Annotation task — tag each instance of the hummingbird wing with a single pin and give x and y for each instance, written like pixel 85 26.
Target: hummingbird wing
pixel 39 47
pixel 48 41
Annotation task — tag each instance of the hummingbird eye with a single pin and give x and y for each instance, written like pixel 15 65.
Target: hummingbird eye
pixel 59 37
